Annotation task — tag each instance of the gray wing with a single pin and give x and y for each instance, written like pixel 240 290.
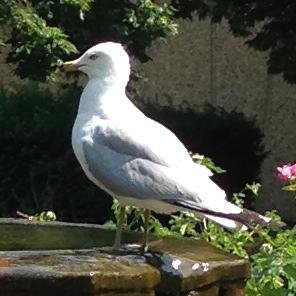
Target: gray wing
pixel 148 140
pixel 131 176
pixel 127 166
pixel 145 139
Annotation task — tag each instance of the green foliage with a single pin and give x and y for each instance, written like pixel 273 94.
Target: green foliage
pixel 43 216
pixel 274 265
pixel 150 19
pixel 272 254
pixel 44 32
pixel 208 162
pixel 290 187
pixel 36 47
pixel 184 224
pixel 240 197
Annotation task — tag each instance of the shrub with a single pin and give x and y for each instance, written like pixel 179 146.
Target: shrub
pixel 38 169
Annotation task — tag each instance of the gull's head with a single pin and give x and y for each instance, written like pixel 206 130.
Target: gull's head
pixel 107 61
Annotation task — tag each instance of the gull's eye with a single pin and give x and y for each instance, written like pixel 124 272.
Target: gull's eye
pixel 93 57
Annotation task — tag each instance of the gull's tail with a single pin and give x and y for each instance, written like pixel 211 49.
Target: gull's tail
pixel 230 216
pixel 237 221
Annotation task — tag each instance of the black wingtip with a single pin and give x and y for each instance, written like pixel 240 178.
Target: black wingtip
pixel 246 217
pixel 251 219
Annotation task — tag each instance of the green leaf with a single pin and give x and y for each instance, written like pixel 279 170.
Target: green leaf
pixel 290 270
pixel 270 291
pixel 290 187
pixel 254 187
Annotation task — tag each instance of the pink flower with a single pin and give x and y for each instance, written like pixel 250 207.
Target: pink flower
pixel 286 172
pixel 293 169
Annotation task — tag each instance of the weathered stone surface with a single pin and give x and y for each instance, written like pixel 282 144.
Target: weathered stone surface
pixel 83 272
pixel 170 267
pixel 198 264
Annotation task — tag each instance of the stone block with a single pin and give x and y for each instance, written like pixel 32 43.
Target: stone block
pixel 34 262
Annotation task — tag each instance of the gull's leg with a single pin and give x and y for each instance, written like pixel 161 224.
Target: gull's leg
pixel 147 214
pixel 120 223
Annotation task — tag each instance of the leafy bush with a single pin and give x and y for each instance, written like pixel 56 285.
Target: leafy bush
pixel 38 169
pixel 34 44
pixel 43 31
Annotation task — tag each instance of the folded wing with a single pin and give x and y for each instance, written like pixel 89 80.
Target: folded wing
pixel 154 166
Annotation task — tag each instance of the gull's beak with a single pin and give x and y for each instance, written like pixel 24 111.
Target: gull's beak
pixel 70 66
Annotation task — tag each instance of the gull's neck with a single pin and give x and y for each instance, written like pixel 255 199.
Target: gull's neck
pixel 100 97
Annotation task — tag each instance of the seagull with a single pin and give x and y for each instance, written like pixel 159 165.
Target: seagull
pixel 135 159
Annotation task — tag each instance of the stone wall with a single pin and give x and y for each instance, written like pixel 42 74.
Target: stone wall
pixel 206 63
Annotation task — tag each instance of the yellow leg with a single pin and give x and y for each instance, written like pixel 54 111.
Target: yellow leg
pixel 120 223
pixel 147 214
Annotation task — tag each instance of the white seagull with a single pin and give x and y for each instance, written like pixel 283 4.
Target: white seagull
pixel 136 159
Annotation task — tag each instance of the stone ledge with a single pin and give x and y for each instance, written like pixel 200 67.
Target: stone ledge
pixel 63 261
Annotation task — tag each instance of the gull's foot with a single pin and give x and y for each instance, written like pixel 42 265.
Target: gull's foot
pixel 153 244
pixel 144 248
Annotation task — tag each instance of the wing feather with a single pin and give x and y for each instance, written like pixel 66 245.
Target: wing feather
pixel 135 177
pixel 148 140
pixel 151 166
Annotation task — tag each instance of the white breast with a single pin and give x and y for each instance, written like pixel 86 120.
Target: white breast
pixel 81 132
